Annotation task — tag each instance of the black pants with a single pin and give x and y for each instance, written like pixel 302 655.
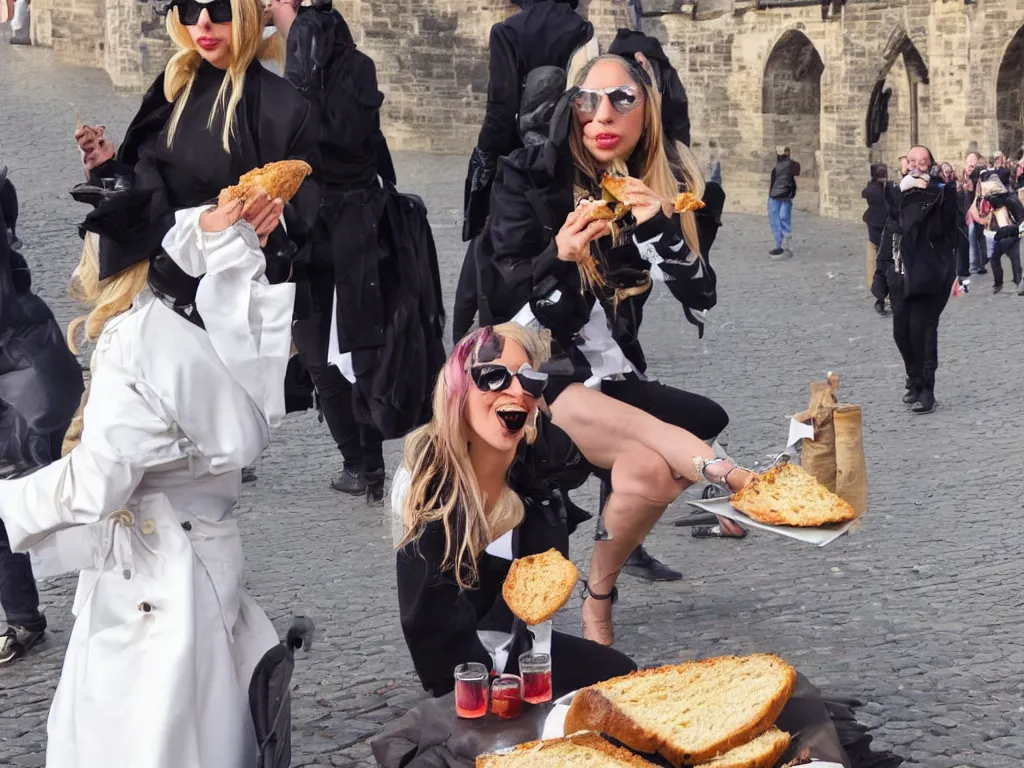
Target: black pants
pixel 915 328
pixel 695 413
pixel 963 251
pixel 1012 249
pixel 18 594
pixel 361 445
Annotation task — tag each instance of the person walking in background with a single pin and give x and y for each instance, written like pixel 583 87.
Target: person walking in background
pixel 781 192
pixel 880 194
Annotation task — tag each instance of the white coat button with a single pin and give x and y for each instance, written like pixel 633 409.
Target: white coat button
pixel 148 526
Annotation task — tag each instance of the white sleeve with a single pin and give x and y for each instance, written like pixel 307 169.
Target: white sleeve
pixel 123 435
pixel 399 492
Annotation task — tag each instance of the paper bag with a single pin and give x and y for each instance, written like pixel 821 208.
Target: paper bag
pixel 836 455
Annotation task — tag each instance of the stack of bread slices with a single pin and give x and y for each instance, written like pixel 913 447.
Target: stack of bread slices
pixel 718 713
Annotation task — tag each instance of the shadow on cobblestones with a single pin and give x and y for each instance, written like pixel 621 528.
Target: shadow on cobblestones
pixel 918 614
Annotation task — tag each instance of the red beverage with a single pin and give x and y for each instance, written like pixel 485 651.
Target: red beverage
pixel 507 697
pixel 537 687
pixel 471 698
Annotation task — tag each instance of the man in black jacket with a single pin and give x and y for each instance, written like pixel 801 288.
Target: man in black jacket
pixel 543 33
pixel 918 258
pixel 781 192
pixel 322 62
pixel 880 194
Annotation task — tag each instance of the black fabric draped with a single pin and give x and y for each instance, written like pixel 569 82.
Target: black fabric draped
pixel 40 380
pixel 193 171
pixel 542 34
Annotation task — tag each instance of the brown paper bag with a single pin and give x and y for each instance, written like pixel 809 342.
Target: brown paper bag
pixel 836 455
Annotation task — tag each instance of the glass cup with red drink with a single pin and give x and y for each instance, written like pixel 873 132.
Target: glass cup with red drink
pixel 507 697
pixel 471 683
pixel 535 669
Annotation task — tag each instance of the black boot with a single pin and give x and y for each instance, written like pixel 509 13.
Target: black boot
pixel 350 481
pixel 374 486
pixel 926 402
pixel 880 307
pixel 911 396
pixel 649 568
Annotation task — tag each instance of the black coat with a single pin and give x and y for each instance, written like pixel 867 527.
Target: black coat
pixel 879 197
pixel 543 34
pixel 783 181
pixel 40 380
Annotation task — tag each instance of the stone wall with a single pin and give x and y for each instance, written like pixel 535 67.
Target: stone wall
pixel 756 77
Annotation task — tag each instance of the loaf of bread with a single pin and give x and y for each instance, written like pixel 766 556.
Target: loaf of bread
pixel 582 750
pixel 538 585
pixel 789 495
pixel 280 180
pixel 688 713
pixel 762 752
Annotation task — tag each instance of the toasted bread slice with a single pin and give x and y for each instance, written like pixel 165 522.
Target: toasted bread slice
pixel 762 752
pixel 615 187
pixel 585 750
pixel 279 180
pixel 789 495
pixel 538 585
pixel 688 713
pixel 686 202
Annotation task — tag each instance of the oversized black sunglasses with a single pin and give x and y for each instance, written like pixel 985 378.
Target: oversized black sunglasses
pixel 492 377
pixel 624 98
pixel 190 10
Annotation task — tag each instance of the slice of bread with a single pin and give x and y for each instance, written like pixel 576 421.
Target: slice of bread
pixel 789 495
pixel 582 750
pixel 538 585
pixel 686 202
pixel 762 752
pixel 688 713
pixel 279 180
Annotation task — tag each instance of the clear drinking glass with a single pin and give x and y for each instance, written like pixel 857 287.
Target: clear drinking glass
pixel 507 697
pixel 471 682
pixel 535 669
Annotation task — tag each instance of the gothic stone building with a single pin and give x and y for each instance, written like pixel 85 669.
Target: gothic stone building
pixel 844 85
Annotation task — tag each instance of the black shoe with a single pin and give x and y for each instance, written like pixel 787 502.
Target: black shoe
pixel 21 41
pixel 645 566
pixel 880 307
pixel 925 403
pixel 374 486
pixel 997 288
pixel 248 475
pixel 775 252
pixel 17 641
pixel 350 481
pixel 912 396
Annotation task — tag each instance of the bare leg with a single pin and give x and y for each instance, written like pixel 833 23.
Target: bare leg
pixel 642 487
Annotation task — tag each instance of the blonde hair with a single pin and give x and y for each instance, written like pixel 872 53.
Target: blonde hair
pixel 272 50
pixel 180 72
pixel 443 487
pixel 655 169
pixel 107 298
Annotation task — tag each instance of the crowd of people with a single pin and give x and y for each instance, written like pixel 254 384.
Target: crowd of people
pixel 211 317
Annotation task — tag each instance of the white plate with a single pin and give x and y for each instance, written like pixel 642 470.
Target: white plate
pixel 554 724
pixel 819 537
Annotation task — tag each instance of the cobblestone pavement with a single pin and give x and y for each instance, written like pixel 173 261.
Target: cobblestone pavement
pixel 918 614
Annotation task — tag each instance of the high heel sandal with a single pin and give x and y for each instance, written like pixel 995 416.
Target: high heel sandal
pixel 586 592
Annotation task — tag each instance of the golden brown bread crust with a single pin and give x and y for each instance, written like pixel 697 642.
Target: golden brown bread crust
pixel 558 576
pixel 687 202
pixel 593 711
pixel 280 180
pixel 587 740
pixel 789 495
pixel 616 186
pixel 779 745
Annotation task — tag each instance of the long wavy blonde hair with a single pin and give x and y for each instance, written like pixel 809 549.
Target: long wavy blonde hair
pixel 656 171
pixel 443 486
pixel 107 299
pixel 180 72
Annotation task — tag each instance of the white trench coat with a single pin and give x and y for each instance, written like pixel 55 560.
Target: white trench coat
pixel 166 637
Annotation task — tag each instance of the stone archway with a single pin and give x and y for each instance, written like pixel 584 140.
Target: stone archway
pixel 791 109
pixel 898 101
pixel 1010 97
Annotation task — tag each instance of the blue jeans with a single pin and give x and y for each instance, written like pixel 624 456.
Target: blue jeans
pixel 979 248
pixel 780 214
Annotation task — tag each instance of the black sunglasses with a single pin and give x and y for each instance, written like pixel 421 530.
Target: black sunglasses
pixel 189 11
pixel 492 377
pixel 624 98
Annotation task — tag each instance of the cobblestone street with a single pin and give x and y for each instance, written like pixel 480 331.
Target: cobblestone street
pixel 918 615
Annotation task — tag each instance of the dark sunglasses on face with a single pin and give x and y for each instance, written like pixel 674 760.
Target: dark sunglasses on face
pixel 491 377
pixel 189 11
pixel 624 98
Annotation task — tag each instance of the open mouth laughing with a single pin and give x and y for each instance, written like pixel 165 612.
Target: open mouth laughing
pixel 512 417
